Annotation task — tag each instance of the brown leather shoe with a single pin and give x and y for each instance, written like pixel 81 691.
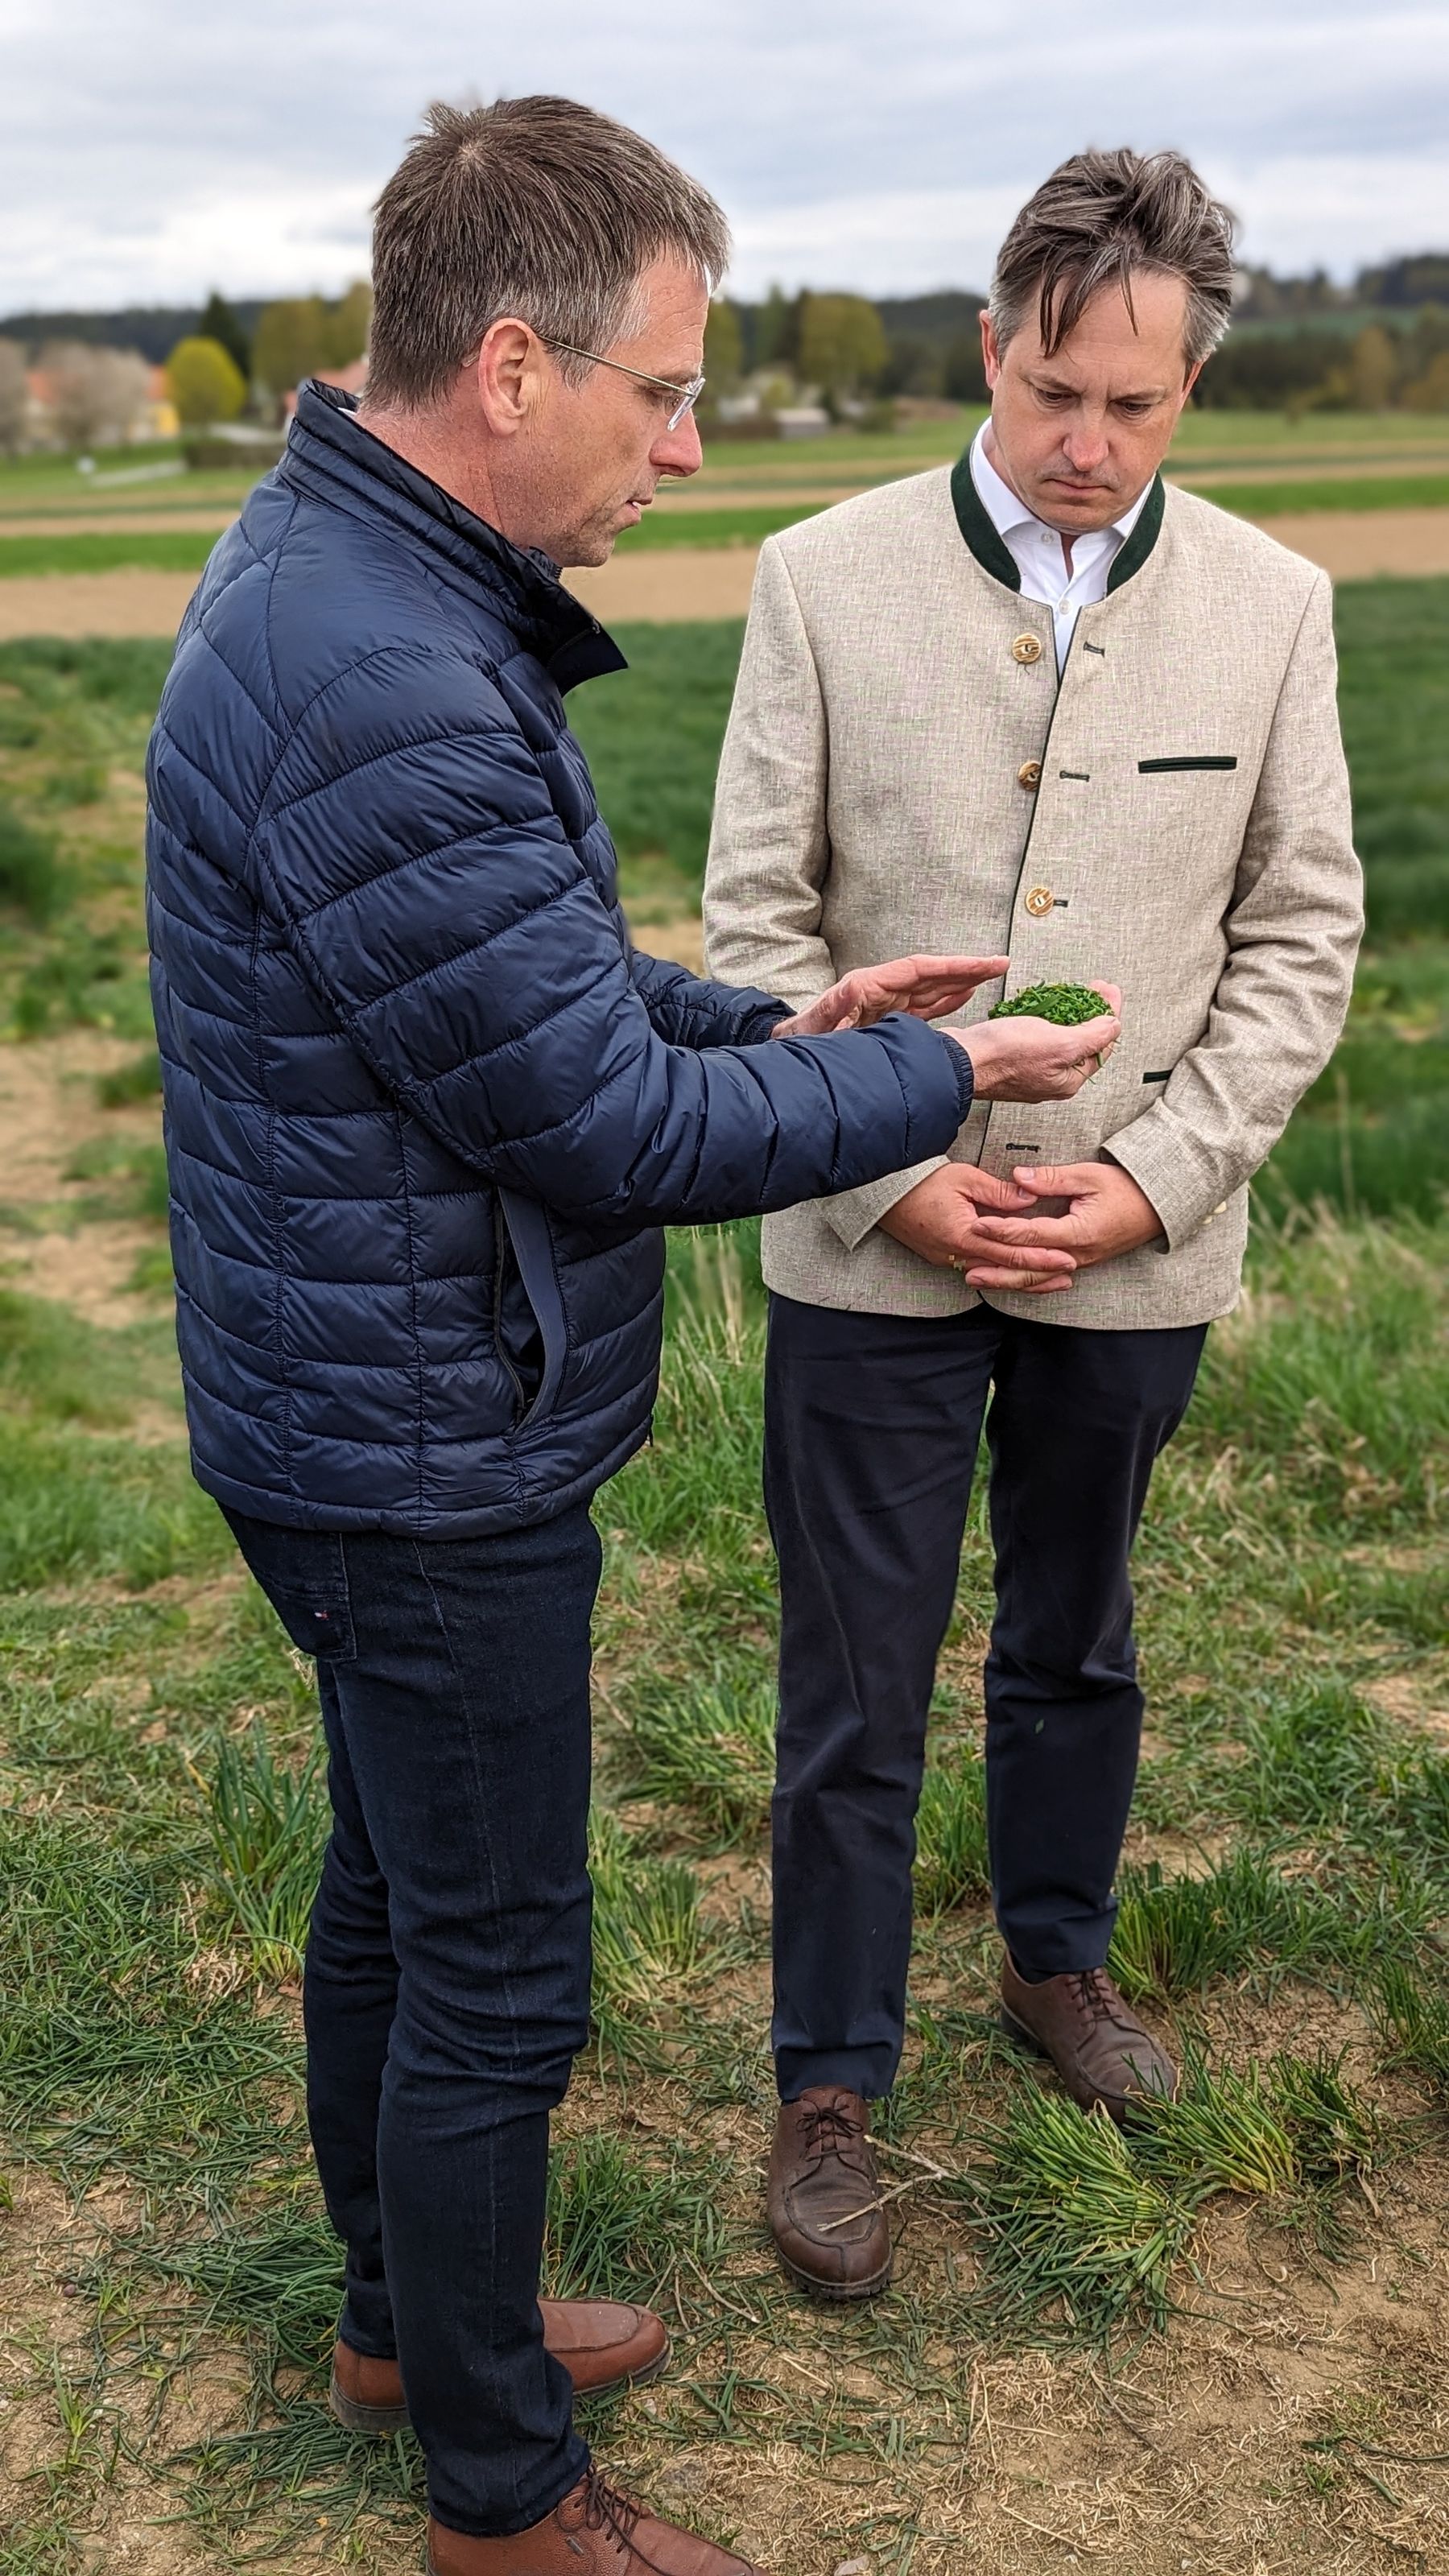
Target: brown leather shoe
pixel 1092 2036
pixel 824 2193
pixel 601 2342
pixel 594 2532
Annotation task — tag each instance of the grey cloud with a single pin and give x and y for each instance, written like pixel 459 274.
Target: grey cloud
pixel 161 144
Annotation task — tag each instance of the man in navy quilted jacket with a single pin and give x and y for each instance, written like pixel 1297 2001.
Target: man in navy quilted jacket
pixel 426 1111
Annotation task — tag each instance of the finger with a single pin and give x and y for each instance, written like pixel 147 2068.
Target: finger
pixel 1033 1283
pixel 1111 995
pixel 990 1191
pixel 1041 1234
pixel 1019 1246
pixel 952 970
pixel 1058 1180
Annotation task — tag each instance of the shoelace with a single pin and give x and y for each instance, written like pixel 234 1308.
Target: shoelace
pixel 606 2509
pixel 1096 1994
pixel 825 2128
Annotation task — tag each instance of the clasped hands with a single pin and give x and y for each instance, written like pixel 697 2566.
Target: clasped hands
pixel 965 1219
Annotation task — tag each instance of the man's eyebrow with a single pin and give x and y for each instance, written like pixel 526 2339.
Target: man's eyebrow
pixel 1136 393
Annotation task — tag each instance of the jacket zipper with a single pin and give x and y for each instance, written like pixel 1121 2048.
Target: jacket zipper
pixel 520 1400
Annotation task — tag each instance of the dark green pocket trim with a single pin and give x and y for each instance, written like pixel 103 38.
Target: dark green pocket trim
pixel 1158 1077
pixel 1194 760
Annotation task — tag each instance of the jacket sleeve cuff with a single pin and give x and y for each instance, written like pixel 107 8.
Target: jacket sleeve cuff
pixel 852 1213
pixel 965 1076
pixel 1174 1171
pixel 763 1023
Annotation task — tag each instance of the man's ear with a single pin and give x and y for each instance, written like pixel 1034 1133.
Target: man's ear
pixel 1189 380
pixel 508 376
pixel 990 354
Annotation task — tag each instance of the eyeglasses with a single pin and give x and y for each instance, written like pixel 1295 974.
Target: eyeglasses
pixel 688 394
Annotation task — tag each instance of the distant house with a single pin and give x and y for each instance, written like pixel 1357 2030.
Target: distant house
pixel 162 420
pixel 88 396
pixel 349 380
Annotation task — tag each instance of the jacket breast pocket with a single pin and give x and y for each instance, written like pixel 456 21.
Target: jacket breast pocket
pixel 1187 760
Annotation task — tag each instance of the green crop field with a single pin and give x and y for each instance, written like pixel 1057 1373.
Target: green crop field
pixel 1308 464
pixel 1217 2342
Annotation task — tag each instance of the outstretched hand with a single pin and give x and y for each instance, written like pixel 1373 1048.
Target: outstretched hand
pixel 927 987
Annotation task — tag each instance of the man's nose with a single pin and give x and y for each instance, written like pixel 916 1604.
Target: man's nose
pixel 1085 446
pixel 678 451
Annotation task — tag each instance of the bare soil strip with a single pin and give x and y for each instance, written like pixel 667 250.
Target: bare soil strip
pixel 121 523
pixel 677 584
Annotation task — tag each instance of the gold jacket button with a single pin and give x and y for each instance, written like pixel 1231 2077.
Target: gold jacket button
pixel 1039 902
pixel 1029 774
pixel 1027 648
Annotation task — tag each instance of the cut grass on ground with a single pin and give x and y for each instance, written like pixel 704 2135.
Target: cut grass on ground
pixel 1228 2316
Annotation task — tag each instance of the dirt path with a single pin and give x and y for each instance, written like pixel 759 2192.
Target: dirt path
pixel 124 523
pixel 676 584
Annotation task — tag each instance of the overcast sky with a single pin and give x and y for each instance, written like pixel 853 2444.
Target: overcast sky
pixel 152 148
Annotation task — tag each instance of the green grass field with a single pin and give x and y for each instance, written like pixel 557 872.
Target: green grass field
pixel 1414 445
pixel 1217 2341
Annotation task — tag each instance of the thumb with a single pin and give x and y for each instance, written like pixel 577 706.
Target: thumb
pixel 1049 1180
pixel 988 1189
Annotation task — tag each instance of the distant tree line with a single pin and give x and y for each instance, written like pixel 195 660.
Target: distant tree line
pixel 1297 343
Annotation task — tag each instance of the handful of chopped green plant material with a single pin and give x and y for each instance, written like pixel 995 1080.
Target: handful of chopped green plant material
pixel 1069 1005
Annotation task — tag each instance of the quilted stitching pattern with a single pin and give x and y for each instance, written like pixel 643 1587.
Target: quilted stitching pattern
pixel 425 1107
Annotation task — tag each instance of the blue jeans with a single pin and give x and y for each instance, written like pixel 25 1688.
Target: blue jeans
pixel 447 1978
pixel 871 1430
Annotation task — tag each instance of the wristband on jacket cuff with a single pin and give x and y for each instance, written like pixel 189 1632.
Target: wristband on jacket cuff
pixel 763 1024
pixel 965 1074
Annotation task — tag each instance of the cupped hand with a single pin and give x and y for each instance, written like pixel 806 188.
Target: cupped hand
pixel 1030 1059
pixel 927 987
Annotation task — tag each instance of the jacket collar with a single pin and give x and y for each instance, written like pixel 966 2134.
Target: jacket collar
pixel 995 557
pixel 332 458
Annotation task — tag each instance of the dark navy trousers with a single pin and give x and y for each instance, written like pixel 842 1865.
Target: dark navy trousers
pixel 446 1991
pixel 872 1424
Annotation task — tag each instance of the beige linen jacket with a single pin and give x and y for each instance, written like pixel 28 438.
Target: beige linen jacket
pixel 903 771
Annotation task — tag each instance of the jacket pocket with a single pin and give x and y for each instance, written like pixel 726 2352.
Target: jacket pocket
pixel 304 1576
pixel 526 1226
pixel 1189 760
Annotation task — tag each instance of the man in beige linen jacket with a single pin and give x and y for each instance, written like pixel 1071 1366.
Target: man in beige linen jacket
pixel 907 765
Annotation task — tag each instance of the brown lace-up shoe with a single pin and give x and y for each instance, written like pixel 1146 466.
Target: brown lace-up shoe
pixel 824 2196
pixel 594 2532
pixel 601 2343
pixel 1092 2036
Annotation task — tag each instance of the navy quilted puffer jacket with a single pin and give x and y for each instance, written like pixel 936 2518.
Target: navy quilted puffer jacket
pixel 425 1107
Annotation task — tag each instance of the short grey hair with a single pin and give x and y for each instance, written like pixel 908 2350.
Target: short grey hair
pixel 1101 219
pixel 536 207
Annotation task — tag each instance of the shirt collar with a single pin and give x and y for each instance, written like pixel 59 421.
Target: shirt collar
pixel 1007 512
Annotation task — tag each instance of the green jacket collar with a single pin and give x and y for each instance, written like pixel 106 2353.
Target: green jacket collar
pixel 996 558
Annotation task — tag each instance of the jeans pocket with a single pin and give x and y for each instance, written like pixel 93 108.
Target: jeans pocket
pixel 304 1576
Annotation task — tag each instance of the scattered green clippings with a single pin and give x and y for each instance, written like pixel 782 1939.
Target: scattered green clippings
pixel 1067 1005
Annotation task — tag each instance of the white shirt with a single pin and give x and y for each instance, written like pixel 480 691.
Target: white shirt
pixel 1036 549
